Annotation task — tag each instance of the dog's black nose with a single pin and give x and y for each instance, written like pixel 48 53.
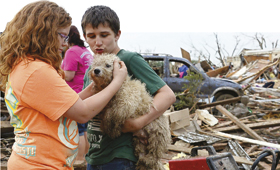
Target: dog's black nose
pixel 96 71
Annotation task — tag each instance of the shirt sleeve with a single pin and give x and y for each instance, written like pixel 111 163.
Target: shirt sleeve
pixel 70 61
pixel 141 70
pixel 48 93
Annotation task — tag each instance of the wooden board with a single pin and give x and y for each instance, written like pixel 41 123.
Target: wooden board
pixel 216 72
pixel 185 54
pixel 178 119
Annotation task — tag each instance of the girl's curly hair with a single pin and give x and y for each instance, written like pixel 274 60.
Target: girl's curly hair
pixel 32 34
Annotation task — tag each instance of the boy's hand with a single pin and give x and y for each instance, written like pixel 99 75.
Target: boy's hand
pixel 142 135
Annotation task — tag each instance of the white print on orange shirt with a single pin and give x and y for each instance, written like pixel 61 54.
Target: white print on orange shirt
pixel 24 150
pixel 22 137
pixel 68 132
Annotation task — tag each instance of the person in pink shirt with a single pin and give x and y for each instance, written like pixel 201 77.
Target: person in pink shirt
pixel 76 61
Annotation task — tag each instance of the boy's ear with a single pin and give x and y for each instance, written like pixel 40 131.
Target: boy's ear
pixel 118 35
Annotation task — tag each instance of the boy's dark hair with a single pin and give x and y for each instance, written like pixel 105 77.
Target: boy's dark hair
pixel 100 14
pixel 74 37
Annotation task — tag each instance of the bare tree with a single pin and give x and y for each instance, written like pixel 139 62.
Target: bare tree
pixel 259 38
pixel 237 40
pixel 274 45
pixel 201 54
pixel 262 40
pixel 219 50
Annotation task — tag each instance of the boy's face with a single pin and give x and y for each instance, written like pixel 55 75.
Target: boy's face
pixel 102 39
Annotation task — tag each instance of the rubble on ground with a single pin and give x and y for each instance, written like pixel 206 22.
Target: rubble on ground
pixel 244 129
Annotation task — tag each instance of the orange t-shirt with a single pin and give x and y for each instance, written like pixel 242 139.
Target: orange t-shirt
pixel 37 97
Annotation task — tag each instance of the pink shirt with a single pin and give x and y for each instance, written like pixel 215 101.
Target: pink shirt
pixel 77 59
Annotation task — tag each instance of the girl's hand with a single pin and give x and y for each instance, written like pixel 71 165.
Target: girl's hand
pixel 120 71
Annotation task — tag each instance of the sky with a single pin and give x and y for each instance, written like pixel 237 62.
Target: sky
pixel 166 26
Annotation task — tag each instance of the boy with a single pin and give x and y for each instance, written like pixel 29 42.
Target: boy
pixel 101 29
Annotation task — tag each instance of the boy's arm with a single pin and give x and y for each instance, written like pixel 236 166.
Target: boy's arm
pixel 163 99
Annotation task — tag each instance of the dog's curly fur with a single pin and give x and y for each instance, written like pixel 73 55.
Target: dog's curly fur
pixel 131 101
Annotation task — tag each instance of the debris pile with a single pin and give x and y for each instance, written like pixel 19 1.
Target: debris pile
pixel 247 127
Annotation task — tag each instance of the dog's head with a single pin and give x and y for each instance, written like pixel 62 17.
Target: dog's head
pixel 102 69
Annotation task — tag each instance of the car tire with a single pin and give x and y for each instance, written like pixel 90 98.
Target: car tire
pixel 224 96
pixel 226 106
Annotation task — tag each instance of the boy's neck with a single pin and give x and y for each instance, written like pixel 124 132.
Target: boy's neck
pixel 117 50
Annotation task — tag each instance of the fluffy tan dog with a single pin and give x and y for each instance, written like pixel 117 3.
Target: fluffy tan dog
pixel 131 101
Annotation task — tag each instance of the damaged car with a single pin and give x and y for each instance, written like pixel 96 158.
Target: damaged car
pixel 166 66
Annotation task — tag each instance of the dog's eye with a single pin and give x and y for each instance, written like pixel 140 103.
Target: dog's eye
pixel 108 65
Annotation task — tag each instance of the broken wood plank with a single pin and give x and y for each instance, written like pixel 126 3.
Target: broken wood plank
pixel 236 74
pixel 252 126
pixel 178 119
pixel 205 153
pixel 205 66
pixel 222 102
pixel 273 129
pixel 179 124
pixel 206 117
pixel 264 165
pixel 177 115
pixel 186 54
pixel 255 154
pixel 227 123
pixel 239 123
pixel 214 73
pixel 252 149
pixel 258 73
pixel 219 146
pixel 243 139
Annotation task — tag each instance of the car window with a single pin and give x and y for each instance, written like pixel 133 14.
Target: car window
pixel 178 69
pixel 156 65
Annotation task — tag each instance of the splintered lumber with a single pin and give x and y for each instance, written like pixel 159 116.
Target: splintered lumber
pixel 227 123
pixel 216 72
pixel 237 73
pixel 239 123
pixel 251 125
pixel 186 54
pixel 221 102
pixel 206 117
pixel 219 146
pixel 205 153
pixel 252 149
pixel 243 139
pixel 273 129
pixel 178 119
pixel 204 64
pixel 264 165
pixel 259 72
